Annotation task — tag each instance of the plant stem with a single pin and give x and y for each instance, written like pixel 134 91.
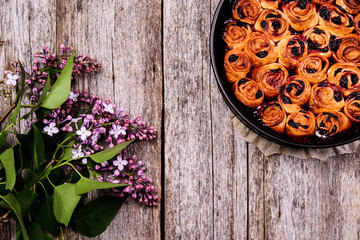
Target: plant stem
pixel 8 112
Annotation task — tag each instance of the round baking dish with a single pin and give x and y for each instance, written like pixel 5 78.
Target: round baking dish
pixel 217 46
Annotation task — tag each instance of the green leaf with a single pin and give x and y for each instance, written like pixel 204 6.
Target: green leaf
pixel 109 153
pixel 38 147
pixel 27 199
pixel 45 216
pixel 47 237
pixel 14 205
pixel 19 95
pixel 68 151
pixel 8 161
pixel 92 219
pixel 61 89
pixel 86 185
pixel 3 139
pixel 35 232
pixel 45 91
pixel 65 201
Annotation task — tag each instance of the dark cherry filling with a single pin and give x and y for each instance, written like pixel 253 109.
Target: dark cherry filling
pixel 351 22
pixel 310 70
pixel 302 4
pixel 290 87
pixel 276 25
pixel 334 129
pixel 285 99
pixel 299 92
pixel 262 54
pixel 243 81
pixel 337 96
pixel 318 31
pixel 325 49
pixel 329 116
pixel 264 24
pixel 271 15
pixel 359 24
pixel 322 124
pixel 334 43
pixel 276 70
pixel 304 126
pixel 312 45
pixel 344 82
pixel 295 51
pixel 356 104
pixel 322 84
pixel 337 71
pixel 240 13
pixel 259 94
pixel 301 83
pixel 354 79
pixel 233 58
pixel 277 105
pixel 325 13
pixel 337 20
pixel 293 124
pixel 323 64
pixel 241 24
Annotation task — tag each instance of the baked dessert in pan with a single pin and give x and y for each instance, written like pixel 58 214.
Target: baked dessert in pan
pixel 295 64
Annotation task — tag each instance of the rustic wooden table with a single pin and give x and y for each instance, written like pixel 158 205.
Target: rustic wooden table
pixel 213 185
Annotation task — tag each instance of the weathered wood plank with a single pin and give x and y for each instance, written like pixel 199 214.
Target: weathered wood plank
pixel 229 168
pixel 126 37
pixel 188 147
pixel 25 27
pixel 310 199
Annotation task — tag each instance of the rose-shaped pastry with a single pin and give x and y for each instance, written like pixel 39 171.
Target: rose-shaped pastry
pixel 357 23
pixel 274 24
pixel 325 97
pixel 236 34
pixel 292 50
pixel 300 125
pixel 249 92
pixel 352 107
pixel 246 10
pixel 336 21
pixel 350 6
pixel 301 13
pixel 314 68
pixel 345 76
pixel 332 123
pixel 237 65
pixel 346 49
pixel 272 115
pixel 318 40
pixel 261 49
pixel 294 93
pixel 271 77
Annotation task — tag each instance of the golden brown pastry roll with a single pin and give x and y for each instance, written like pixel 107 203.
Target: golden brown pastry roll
pixel 314 68
pixel 350 6
pixel 237 65
pixel 300 125
pixel 246 10
pixel 294 93
pixel 345 76
pixel 270 3
pixel 336 21
pixel 332 123
pixel 271 77
pixel 352 107
pixel 322 2
pixel 236 34
pixel 261 49
pixel 249 92
pixel 274 24
pixel 357 23
pixel 318 40
pixel 292 50
pixel 346 49
pixel 301 13
pixel 325 97
pixel 272 114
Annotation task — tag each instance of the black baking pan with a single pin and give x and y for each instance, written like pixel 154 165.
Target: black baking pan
pixel 247 117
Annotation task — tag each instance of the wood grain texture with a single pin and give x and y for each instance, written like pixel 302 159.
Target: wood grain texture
pixel 188 147
pixel 155 58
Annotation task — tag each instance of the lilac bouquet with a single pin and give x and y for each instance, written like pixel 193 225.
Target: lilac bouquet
pixel 77 144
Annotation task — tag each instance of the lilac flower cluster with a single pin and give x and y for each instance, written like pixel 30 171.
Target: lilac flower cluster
pixel 46 62
pixel 98 124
